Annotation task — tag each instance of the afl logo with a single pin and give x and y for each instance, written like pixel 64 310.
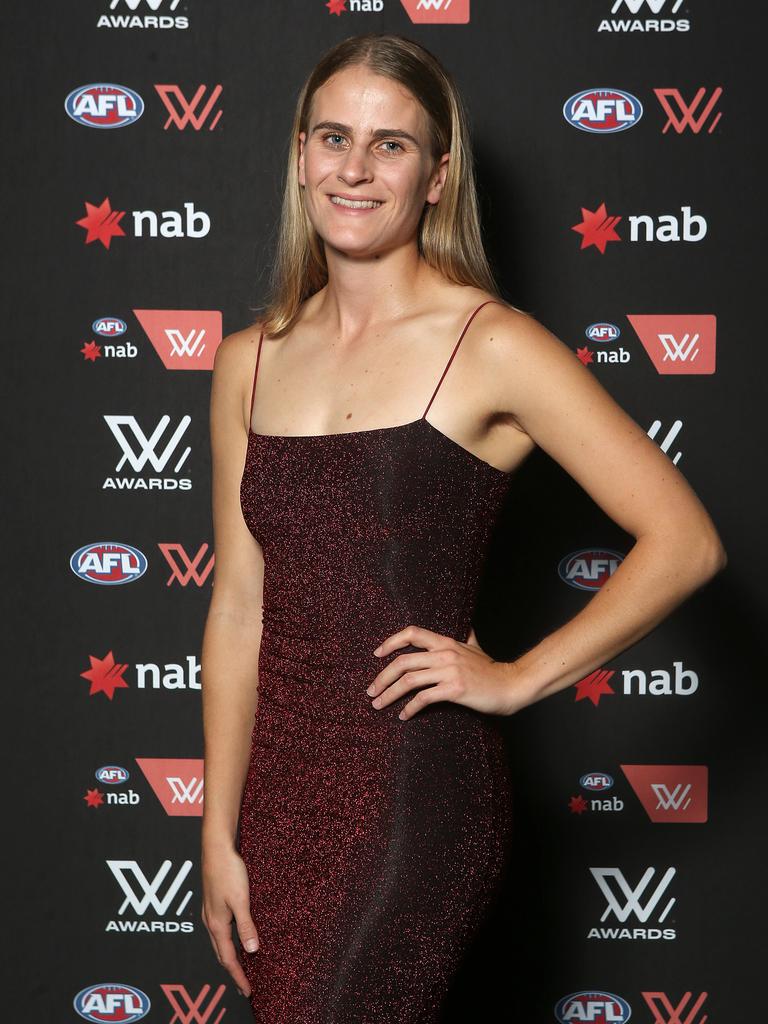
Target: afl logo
pixel 109 326
pixel 602 111
pixel 596 781
pixel 589 568
pixel 112 774
pixel 104 106
pixel 603 332
pixel 111 1001
pixel 109 563
pixel 592 1008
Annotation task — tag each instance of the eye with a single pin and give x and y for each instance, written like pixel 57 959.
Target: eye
pixel 391 142
pixel 332 135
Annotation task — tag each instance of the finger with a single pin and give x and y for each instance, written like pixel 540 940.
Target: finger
pixel 428 696
pixel 407 682
pixel 231 963
pixel 246 931
pixel 418 636
pixel 402 663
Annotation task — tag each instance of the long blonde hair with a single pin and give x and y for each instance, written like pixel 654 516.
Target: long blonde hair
pixel 449 237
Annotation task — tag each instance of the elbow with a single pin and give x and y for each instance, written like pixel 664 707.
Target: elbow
pixel 714 557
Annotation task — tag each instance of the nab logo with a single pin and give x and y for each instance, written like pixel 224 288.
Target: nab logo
pixel 589 568
pixel 602 111
pixel 102 223
pixel 104 106
pixel 437 12
pixel 598 227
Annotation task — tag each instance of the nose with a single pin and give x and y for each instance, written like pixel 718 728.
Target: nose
pixel 355 167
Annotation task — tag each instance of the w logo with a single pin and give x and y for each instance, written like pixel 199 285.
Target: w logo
pixel 193 1011
pixel 148 448
pixel 683 116
pixel 153 5
pixel 141 894
pixel 183 112
pixel 626 901
pixel 656 6
pixel 437 12
pixel 677 343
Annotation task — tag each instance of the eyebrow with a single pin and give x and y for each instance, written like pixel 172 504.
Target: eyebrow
pixel 380 133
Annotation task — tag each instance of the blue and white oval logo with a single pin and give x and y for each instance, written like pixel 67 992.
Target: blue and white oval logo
pixel 592 1007
pixel 603 331
pixel 112 1001
pixel 602 111
pixel 112 774
pixel 108 562
pixel 589 568
pixel 104 105
pixel 596 781
pixel 109 326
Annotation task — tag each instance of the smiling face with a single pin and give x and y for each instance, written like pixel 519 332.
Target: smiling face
pixel 365 163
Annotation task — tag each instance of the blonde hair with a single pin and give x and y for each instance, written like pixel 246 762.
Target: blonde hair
pixel 449 237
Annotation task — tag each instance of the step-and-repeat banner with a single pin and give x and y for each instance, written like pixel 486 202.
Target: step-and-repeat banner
pixel 614 143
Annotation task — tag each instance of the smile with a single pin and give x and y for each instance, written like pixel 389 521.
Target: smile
pixel 356 204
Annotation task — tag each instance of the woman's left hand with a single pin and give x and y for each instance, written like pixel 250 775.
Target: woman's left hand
pixel 448 670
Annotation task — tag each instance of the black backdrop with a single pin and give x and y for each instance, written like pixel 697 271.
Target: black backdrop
pixel 639 805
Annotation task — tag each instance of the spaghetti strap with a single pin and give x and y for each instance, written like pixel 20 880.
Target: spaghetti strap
pixel 455 350
pixel 255 374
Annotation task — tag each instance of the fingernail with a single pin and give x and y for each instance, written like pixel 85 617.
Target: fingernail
pixel 371 690
pixel 251 945
pixel 377 702
pixel 377 651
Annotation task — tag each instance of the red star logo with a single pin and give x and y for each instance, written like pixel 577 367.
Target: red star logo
pixel 577 805
pixel 93 798
pixel 105 676
pixel 585 355
pixel 593 686
pixel 101 223
pixel 91 351
pixel 597 228
pixel 337 7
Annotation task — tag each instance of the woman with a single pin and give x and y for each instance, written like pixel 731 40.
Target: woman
pixel 354 494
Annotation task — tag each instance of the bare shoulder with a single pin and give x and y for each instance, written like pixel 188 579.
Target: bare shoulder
pixel 524 364
pixel 233 368
pixel 237 347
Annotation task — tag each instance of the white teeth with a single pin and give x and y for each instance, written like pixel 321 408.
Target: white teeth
pixel 356 204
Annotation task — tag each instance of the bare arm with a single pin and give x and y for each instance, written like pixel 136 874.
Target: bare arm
pixel 232 634
pixel 567 412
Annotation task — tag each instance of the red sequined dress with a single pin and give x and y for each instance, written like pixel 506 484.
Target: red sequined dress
pixel 374 845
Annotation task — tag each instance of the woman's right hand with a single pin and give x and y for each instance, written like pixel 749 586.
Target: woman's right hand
pixel 226 897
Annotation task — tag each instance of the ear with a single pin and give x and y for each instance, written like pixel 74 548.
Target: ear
pixel 302 140
pixel 437 180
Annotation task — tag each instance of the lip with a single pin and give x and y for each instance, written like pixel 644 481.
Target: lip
pixel 362 199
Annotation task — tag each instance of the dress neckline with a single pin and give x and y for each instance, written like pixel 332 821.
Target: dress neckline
pixel 382 430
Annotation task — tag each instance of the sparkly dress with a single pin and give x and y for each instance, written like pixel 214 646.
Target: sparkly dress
pixel 374 846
